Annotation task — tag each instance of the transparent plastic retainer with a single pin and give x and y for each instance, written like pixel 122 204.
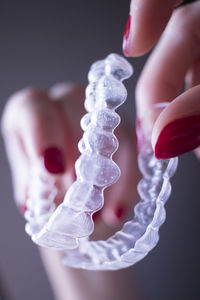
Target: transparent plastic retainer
pixel 68 227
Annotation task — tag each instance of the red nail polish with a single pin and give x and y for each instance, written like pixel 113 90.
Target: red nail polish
pixel 120 213
pixel 178 137
pixel 126 36
pixel 53 161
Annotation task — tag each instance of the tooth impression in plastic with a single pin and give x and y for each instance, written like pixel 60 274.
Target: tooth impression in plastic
pixel 69 226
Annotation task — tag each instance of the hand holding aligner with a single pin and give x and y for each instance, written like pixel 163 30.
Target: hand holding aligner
pixel 70 225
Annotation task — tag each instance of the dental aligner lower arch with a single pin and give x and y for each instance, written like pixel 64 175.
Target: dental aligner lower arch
pixel 68 227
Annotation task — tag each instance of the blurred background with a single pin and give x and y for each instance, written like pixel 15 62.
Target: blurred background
pixel 45 42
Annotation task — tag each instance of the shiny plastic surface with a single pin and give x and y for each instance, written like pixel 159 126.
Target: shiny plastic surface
pixel 69 226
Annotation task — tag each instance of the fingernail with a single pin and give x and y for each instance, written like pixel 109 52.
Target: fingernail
pixel 53 161
pixel 126 36
pixel 178 137
pixel 119 213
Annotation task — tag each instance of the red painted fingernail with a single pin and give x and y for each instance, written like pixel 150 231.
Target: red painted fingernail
pixel 53 161
pixel 120 212
pixel 178 137
pixel 126 36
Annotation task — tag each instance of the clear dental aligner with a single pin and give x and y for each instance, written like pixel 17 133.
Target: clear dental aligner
pixel 68 227
pixel 95 168
pixel 40 203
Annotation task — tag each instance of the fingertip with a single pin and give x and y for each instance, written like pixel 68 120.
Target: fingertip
pixel 114 215
pixel 134 43
pixel 126 38
pixel 131 45
pixel 53 160
pixel 178 137
pixel 145 24
pixel 37 123
pixel 177 129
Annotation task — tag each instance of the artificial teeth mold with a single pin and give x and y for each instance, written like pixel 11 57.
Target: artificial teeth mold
pixel 69 226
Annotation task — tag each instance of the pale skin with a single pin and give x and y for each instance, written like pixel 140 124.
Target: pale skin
pixel 26 133
pixel 173 64
pixel 34 120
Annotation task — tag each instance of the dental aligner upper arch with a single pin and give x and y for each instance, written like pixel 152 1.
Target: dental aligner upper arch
pixel 71 224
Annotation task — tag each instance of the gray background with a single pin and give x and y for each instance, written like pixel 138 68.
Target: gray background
pixel 45 42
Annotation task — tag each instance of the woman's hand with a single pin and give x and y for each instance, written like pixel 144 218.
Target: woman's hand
pixel 175 62
pixel 43 128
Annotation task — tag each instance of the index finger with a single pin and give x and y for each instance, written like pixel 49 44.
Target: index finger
pixel 164 74
pixel 147 21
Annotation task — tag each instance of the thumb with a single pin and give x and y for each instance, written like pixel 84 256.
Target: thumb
pixel 177 129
